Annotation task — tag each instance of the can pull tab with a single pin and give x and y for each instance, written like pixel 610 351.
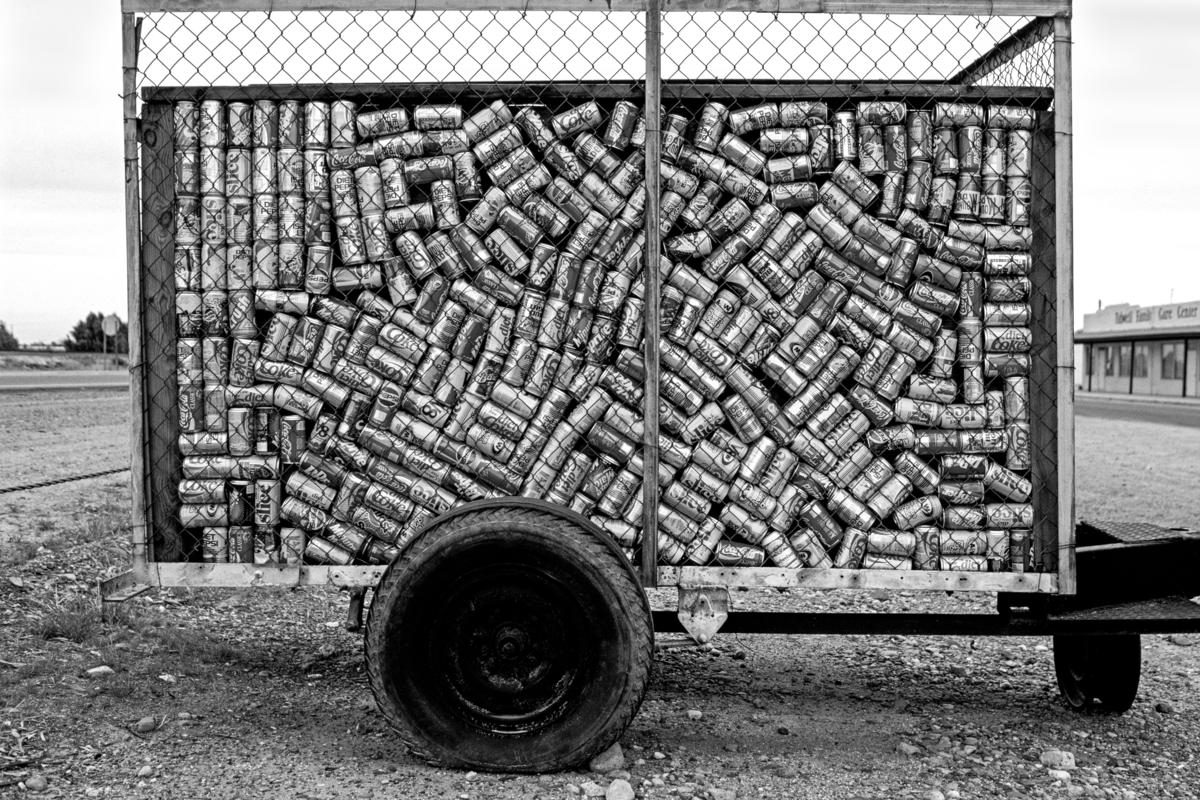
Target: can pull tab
pixel 703 610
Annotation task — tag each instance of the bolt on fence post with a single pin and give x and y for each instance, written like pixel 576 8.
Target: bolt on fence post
pixel 649 566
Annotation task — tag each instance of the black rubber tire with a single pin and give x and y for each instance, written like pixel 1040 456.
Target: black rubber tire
pixel 1098 673
pixel 509 640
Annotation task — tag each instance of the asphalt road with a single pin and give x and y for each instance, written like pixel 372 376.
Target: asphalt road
pixel 1161 413
pixel 34 380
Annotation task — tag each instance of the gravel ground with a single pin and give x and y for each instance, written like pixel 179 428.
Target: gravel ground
pixel 263 694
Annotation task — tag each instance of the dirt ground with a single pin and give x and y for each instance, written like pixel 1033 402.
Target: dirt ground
pixel 263 694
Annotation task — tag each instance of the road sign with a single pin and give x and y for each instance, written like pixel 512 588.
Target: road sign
pixel 110 325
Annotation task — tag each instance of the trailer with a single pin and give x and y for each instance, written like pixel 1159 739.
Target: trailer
pixel 508 311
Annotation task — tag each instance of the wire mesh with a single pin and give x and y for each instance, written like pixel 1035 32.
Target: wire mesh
pixel 847 327
pixel 394 262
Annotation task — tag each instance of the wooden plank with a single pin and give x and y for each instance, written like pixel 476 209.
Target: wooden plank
pixel 262 575
pixel 919 94
pixel 1043 377
pixel 650 487
pixel 1065 299
pixel 157 331
pixel 139 477
pixel 982 8
pixel 1006 50
pixel 913 580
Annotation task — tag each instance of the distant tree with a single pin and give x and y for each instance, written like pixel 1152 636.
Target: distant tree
pixel 88 336
pixel 7 340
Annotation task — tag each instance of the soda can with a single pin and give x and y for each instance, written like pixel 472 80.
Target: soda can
pixel 186 119
pixel 211 123
pixel 745 120
pixel 1019 156
pixel 342 115
pixel 1018 201
pixel 289 121
pixel 214 540
pixel 576 120
pixel 845 136
pixel 1019 453
pixel 316 121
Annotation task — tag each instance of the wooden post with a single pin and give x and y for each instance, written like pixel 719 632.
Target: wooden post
pixel 157 335
pixel 138 476
pixel 649 559
pixel 1065 301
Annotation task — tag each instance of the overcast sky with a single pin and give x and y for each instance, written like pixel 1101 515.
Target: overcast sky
pixel 62 237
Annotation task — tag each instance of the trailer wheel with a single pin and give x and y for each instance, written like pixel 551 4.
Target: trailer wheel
pixel 1098 672
pixel 509 640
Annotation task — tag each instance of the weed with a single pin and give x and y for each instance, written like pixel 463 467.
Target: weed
pixel 19 551
pixel 77 621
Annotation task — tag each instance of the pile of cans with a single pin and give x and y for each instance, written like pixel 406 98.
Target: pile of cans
pixel 386 312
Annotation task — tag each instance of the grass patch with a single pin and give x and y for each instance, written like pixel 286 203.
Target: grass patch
pixel 78 622
pixel 18 551
pixel 193 645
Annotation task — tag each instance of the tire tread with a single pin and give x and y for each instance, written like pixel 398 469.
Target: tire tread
pixel 598 553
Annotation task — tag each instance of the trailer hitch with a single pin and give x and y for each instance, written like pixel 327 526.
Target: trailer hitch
pixel 703 610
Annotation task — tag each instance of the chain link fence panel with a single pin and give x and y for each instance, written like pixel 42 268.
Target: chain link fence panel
pixel 395 261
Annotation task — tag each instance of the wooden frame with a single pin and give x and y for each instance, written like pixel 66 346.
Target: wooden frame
pixel 1016 8
pixel 147 218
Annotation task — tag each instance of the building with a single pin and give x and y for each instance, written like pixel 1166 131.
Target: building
pixel 1149 350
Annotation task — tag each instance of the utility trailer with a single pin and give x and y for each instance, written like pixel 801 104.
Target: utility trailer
pixel 393 329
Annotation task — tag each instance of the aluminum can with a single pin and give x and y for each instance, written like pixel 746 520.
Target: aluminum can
pixel 316 124
pixel 621 124
pixel 744 120
pixel 1019 163
pixel 576 120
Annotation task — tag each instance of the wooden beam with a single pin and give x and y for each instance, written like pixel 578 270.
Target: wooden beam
pixel 1043 375
pixel 915 580
pixel 981 8
pixel 160 419
pixel 1065 296
pixel 138 475
pixel 653 110
pixel 838 94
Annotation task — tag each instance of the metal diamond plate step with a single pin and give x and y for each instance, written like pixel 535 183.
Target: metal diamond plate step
pixel 1088 533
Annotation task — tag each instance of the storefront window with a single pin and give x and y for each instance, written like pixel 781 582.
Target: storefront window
pixel 1123 355
pixel 1108 360
pixel 1172 361
pixel 1141 355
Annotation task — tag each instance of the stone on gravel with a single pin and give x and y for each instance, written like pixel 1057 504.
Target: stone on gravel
pixel 695 713
pixel 100 671
pixel 1164 707
pixel 1183 639
pixel 659 755
pixel 1058 759
pixel 722 794
pixel 906 749
pixel 934 794
pixel 35 783
pixel 1060 775
pixel 611 759
pixel 619 790
pixel 591 789
pixel 146 771
pixel 145 725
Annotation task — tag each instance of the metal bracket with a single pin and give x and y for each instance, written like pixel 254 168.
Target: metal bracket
pixel 354 616
pixel 118 589
pixel 703 610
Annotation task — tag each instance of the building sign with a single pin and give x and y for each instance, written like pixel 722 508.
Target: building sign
pixel 1127 318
